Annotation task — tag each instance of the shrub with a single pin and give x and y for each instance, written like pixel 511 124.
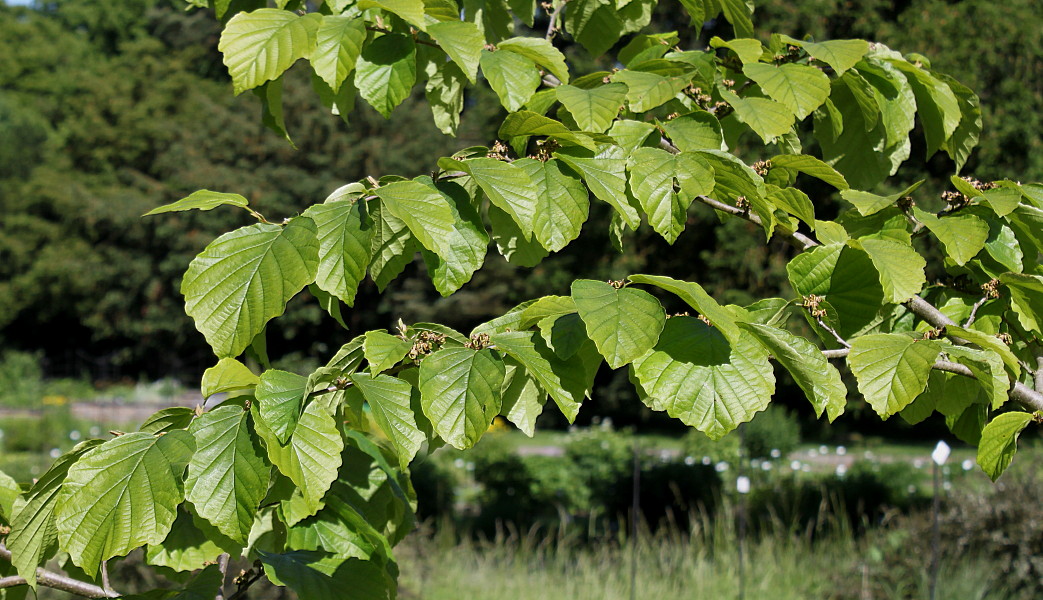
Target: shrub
pixel 695 444
pixel 774 429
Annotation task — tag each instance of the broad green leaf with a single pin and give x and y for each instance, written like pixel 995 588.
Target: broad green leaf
pixel 228 375
pixel 697 130
pixel 200 200
pixel 311 457
pixel 594 23
pixel 844 276
pixel 508 187
pixel 562 204
pixel 987 342
pixel 410 10
pixel 338 44
pixel 999 442
pixel 272 115
pixel 696 10
pixel 384 350
pixel 1002 245
pixel 888 224
pixel 696 375
pixel 463 42
pixel 1002 200
pixel 191 544
pixel 525 123
pixel 988 369
pixel 747 49
pixel 523 399
pixel 594 109
pixel 695 296
pixel 869 204
pixel 539 51
pixel 936 105
pixel 386 71
pixel 445 95
pixel 228 474
pixel 962 142
pixel 605 175
pixel 839 54
pixel 33 537
pixel 121 495
pixel 794 202
pixel 891 369
pixel 512 76
pixel 864 96
pixel 259 46
pixel 279 397
pixel 962 234
pixel 341 529
pixel 767 118
pixel 653 173
pixel 228 288
pixel 167 419
pixel 646 91
pixel 544 308
pixel 425 211
pixel 320 576
pixel 388 399
pixel 468 243
pixel 393 247
pixel 564 380
pixel 624 323
pixel 820 380
pixel 900 267
pixel 739 14
pixel 345 238
pixel 1026 295
pixel 202 586
pixel 801 88
pixel 460 391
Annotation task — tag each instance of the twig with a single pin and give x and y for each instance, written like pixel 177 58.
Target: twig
pixel 56 580
pixel 244 581
pixel 222 565
pixel 974 311
pixel 553 15
pixel 836 335
pixel 105 576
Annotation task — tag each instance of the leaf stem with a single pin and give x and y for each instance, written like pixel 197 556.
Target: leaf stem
pixel 55 580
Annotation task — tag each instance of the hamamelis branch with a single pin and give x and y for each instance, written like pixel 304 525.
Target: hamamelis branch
pixel 57 581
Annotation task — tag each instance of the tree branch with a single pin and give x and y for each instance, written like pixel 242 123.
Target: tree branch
pixel 57 581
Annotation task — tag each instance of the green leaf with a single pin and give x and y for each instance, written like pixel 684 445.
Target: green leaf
pixel 624 323
pixel 202 586
pixel 272 115
pixel 525 123
pixel 228 375
pixel 696 375
pixel 794 202
pixel 1002 200
pixel 168 419
pixel 562 204
pixel 962 234
pixel 767 118
pixel 338 44
pixel 748 50
pixel 820 380
pixel 512 76
pixel 697 130
pixel 33 537
pixel 279 397
pixel 341 529
pixel 839 54
pixel 594 23
pixel 121 495
pixel 200 200
pixel 426 212
pixel 468 243
pixel 393 247
pixel 311 457
pixel 1026 295
pixel 387 71
pixel 594 109
pixel 646 91
pixel 460 391
pixel 539 51
pixel 839 273
pixel 936 105
pixel 259 46
pixel 191 544
pixel 565 380
pixel 523 399
pixel 653 173
pixel 228 475
pixel 511 242
pixel 891 369
pixel 508 187
pixel 228 289
pixel 869 204
pixel 410 10
pixel 345 239
pixel 463 42
pixel 605 175
pixel 384 350
pixel 987 342
pixel 739 14
pixel 445 95
pixel 988 369
pixel 695 296
pixel 388 399
pixel 321 576
pixel 900 267
pixel 962 142
pixel 999 442
pixel 799 87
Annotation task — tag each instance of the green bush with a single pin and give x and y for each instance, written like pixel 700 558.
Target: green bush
pixel 435 486
pixel 21 379
pixel 696 445
pixel 774 429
